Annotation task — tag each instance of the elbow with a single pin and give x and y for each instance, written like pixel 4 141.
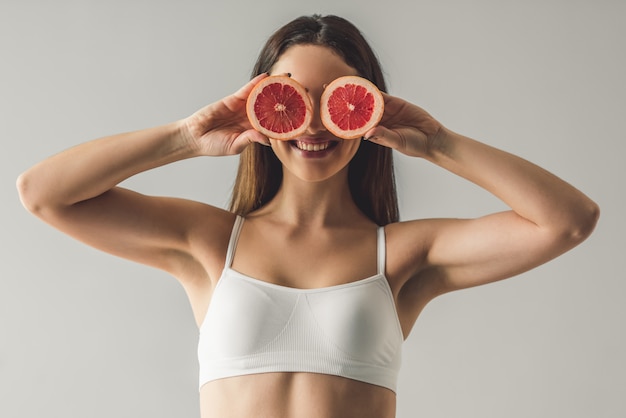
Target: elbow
pixel 28 196
pixel 23 192
pixel 583 223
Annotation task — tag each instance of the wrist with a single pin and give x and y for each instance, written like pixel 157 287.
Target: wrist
pixel 441 145
pixel 186 142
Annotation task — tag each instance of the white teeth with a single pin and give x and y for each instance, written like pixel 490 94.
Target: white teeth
pixel 312 147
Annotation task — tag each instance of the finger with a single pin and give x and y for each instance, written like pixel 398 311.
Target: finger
pixel 386 96
pixel 244 91
pixel 236 101
pixel 249 137
pixel 383 136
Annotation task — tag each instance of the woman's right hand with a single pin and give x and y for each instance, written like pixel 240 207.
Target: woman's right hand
pixel 222 128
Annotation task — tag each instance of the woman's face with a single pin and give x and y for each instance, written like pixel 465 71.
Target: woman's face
pixel 317 155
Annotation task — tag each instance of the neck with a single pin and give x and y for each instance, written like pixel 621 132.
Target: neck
pixel 317 204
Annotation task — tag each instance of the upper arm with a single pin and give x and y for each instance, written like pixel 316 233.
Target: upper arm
pixel 451 254
pixel 156 231
pixel 462 253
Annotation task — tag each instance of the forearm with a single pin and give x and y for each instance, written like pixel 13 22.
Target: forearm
pixel 92 168
pixel 530 191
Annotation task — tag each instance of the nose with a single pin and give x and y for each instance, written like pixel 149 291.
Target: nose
pixel 316 126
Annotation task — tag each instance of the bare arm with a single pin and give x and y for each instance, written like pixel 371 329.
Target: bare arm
pixel 76 190
pixel 547 217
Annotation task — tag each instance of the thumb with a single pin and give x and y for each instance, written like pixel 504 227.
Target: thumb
pixel 248 137
pixel 383 136
pixel 245 90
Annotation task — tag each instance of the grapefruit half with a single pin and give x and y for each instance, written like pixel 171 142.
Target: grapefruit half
pixel 279 108
pixel 351 106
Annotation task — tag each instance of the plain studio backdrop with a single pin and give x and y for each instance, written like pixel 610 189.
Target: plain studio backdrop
pixel 85 334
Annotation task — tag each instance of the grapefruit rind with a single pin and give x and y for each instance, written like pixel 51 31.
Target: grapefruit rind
pixel 350 106
pixel 286 106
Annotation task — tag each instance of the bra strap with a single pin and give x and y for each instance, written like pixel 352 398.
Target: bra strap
pixel 232 243
pixel 381 250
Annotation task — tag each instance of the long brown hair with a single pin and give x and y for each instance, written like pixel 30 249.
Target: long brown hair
pixel 370 173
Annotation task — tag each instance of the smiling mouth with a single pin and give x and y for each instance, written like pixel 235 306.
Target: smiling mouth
pixel 313 146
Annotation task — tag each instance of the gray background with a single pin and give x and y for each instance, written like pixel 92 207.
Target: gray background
pixel 83 334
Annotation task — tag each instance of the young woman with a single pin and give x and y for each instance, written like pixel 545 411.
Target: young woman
pixel 306 288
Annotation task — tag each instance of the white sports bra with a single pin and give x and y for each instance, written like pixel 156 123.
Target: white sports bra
pixel 252 326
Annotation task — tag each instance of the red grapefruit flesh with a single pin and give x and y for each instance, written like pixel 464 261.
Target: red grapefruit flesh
pixel 350 106
pixel 279 107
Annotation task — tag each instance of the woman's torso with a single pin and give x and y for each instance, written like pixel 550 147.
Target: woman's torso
pixel 298 258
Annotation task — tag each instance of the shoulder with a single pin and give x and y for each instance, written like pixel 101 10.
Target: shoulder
pixel 186 238
pixel 208 233
pixel 413 281
pixel 411 237
pixel 408 245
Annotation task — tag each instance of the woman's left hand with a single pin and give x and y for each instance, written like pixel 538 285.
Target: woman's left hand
pixel 405 127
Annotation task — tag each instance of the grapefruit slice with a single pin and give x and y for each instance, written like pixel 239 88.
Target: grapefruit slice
pixel 351 106
pixel 279 107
